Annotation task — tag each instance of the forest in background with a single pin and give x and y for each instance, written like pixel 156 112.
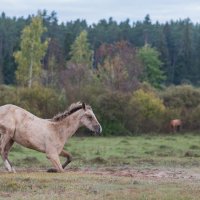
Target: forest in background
pixel 135 76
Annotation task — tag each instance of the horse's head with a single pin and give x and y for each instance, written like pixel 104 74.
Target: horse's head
pixel 89 119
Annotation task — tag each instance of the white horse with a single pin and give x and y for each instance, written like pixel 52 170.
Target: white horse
pixel 45 135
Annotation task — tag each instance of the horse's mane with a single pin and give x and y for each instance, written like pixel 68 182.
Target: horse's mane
pixel 72 108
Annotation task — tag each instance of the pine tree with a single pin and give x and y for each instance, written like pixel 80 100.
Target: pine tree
pixel 79 67
pixel 81 52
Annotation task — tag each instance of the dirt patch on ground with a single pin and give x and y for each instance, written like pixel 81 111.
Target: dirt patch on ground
pixel 153 173
pixel 143 174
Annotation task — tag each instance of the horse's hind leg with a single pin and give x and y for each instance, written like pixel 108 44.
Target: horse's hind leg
pixel 178 128
pixel 7 150
pixel 66 155
pixel 6 144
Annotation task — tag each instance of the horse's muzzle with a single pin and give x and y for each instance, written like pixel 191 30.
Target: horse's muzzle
pixel 98 129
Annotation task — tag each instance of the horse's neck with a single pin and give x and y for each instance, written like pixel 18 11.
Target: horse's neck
pixel 68 126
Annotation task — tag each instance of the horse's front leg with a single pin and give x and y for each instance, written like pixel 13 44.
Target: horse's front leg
pixel 54 158
pixel 67 155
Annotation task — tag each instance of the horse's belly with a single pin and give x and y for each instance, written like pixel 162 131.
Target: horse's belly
pixel 29 142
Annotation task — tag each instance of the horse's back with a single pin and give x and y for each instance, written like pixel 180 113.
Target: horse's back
pixel 8 107
pixel 12 109
pixel 6 119
pixel 5 110
pixel 10 116
pixel 23 127
pixel 9 111
pixel 176 125
pixel 176 122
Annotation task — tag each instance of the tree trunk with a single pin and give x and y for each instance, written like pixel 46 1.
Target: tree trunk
pixel 30 74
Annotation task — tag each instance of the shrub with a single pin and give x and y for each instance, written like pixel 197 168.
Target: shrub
pixel 43 102
pixel 8 95
pixel 147 111
pixel 191 120
pixel 184 102
pixel 112 111
pixel 183 97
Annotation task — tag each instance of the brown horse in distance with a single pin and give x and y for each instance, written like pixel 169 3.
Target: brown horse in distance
pixel 45 135
pixel 175 125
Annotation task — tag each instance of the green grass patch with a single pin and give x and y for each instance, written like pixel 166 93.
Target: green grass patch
pixel 111 154
pixel 138 151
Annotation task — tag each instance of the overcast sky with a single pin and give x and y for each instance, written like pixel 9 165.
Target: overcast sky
pixel 94 10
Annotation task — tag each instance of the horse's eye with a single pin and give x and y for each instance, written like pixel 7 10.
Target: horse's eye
pixel 89 117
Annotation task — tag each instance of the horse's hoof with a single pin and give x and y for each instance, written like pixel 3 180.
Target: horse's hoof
pixel 52 170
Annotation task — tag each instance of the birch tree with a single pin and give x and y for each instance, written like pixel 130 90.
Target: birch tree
pixel 31 52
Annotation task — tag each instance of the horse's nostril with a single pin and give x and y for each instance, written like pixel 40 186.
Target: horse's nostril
pixel 98 128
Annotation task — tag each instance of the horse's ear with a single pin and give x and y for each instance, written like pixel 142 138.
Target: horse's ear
pixel 83 106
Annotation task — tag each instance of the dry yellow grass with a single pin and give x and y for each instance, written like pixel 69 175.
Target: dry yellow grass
pixel 82 185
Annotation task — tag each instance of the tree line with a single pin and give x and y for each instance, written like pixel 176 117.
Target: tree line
pixel 177 42
pixel 123 70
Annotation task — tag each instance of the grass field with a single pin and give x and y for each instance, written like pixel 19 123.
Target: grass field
pixel 141 167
